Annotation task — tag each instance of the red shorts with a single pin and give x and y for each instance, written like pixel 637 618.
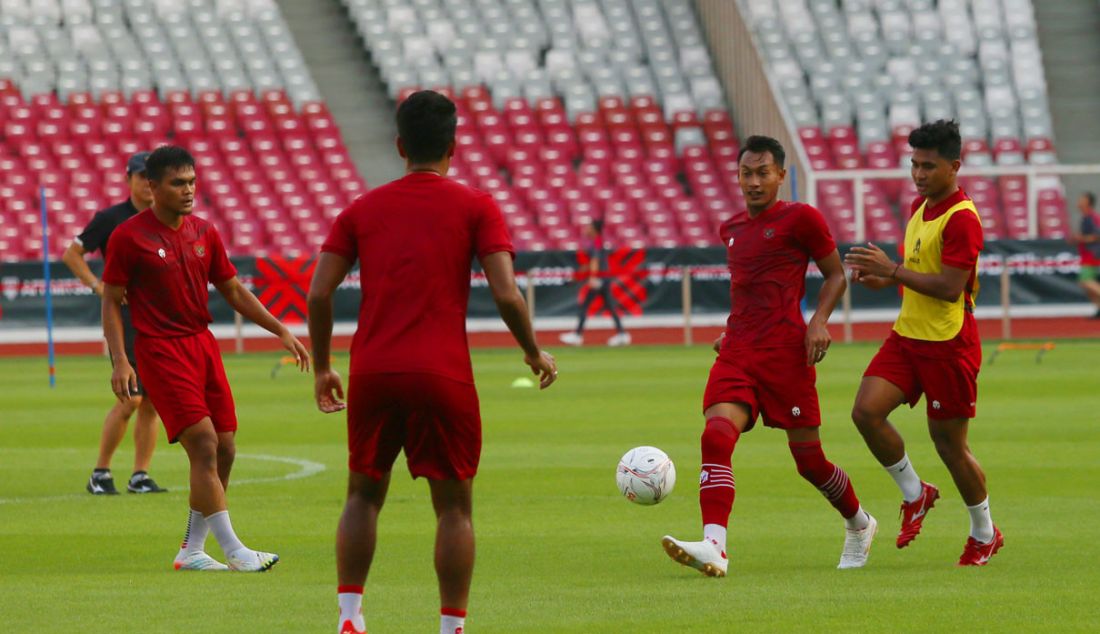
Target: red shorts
pixel 185 379
pixel 436 420
pixel 773 382
pixel 949 382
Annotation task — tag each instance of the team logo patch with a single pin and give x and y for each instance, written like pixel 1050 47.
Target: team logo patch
pixel 936 405
pixel 200 249
pixel 703 477
pixel 796 411
pixel 161 253
pixel 769 233
pixel 731 242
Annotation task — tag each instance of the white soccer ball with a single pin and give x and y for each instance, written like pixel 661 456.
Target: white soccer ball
pixel 645 475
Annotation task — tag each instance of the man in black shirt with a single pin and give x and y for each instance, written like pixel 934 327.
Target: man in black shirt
pixel 94 238
pixel 599 285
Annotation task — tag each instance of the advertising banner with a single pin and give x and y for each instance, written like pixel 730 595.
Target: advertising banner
pixel 643 282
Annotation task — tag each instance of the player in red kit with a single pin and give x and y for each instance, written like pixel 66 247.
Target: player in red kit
pixel 934 348
pixel 411 385
pixel 160 262
pixel 766 357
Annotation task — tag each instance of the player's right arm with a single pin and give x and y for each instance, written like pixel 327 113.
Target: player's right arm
pixel 74 259
pixel 123 377
pixel 513 310
pixel 330 271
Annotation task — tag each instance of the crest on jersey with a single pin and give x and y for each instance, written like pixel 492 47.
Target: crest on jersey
pixel 731 242
pixel 916 247
pixel 161 253
pixel 200 249
pixel 769 233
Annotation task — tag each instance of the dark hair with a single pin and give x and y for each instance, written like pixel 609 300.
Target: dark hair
pixel 426 123
pixel 164 158
pixel 758 144
pixel 1091 197
pixel 941 136
pixel 597 226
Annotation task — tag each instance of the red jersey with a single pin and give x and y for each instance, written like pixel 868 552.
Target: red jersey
pixel 165 272
pixel 962 242
pixel 415 239
pixel 767 258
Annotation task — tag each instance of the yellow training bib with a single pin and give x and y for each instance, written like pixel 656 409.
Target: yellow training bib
pixel 923 317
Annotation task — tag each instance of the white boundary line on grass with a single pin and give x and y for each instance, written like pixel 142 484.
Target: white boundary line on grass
pixel 306 469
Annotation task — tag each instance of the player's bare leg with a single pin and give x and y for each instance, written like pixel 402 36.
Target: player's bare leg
pixel 114 430
pixel 454 547
pixel 145 443
pixel 145 434
pixel 356 536
pixel 951 443
pixel 717 490
pixel 876 399
pixel 202 444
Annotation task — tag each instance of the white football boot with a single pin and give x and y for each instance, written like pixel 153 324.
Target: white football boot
pixel 571 338
pixel 857 545
pixel 620 339
pixel 248 560
pixel 703 556
pixel 198 561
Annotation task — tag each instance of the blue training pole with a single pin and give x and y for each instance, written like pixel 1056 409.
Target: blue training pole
pixel 794 182
pixel 49 291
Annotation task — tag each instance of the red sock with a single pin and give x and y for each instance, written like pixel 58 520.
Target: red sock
pixel 716 484
pixel 826 476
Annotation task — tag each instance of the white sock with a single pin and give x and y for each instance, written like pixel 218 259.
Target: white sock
pixel 981 525
pixel 906 477
pixel 223 532
pixel 859 521
pixel 717 534
pixel 194 540
pixel 451 624
pixel 351 609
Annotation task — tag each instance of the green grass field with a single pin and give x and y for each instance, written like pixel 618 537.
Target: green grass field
pixel 558 549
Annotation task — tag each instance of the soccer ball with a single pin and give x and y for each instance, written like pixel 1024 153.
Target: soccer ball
pixel 645 475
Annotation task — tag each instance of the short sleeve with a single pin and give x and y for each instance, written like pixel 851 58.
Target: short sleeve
pixel 962 240
pixel 95 234
pixel 813 234
pixel 116 271
pixel 491 232
pixel 341 238
pixel 221 269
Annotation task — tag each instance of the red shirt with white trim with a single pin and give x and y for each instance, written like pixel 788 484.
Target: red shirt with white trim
pixel 415 239
pixel 166 272
pixel 767 258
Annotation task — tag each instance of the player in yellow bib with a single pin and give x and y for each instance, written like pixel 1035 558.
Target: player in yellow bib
pixel 934 348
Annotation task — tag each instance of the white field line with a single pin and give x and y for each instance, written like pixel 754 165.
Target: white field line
pixel 306 468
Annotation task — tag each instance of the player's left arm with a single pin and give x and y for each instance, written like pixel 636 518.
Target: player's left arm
pixel 244 302
pixel 817 332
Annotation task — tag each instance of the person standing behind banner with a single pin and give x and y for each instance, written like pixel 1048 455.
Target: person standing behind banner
pixel 599 285
pixel 94 238
pixel 1088 245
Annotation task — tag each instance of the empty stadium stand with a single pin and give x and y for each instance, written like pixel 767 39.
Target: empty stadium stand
pixel 85 83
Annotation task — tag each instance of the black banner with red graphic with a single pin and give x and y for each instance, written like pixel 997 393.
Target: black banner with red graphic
pixel 643 282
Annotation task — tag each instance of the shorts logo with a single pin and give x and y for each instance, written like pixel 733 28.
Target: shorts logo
pixel 796 411
pixel 731 242
pixel 200 249
pixel 769 233
pixel 161 253
pixel 703 477
pixel 936 405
